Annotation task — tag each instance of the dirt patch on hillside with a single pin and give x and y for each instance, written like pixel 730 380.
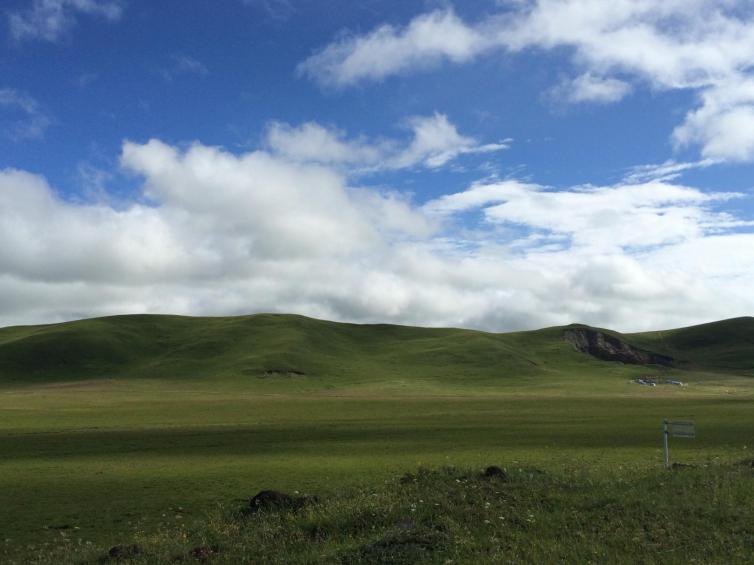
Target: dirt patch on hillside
pixel 282 374
pixel 611 348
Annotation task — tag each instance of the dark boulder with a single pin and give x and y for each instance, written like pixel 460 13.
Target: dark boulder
pixel 679 466
pixel 275 500
pixel 495 472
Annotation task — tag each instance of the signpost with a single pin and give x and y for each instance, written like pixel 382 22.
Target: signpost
pixel 677 428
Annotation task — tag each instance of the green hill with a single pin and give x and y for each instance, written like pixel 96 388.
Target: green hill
pixel 727 345
pixel 277 347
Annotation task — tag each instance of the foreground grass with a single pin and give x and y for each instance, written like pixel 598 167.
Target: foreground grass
pixel 95 463
pixel 690 515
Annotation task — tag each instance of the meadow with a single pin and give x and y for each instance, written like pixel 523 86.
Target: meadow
pixel 88 463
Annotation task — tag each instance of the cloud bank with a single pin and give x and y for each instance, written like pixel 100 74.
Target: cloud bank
pixel 216 233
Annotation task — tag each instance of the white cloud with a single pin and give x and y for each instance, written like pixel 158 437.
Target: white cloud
pixel 24 119
pixel 426 41
pixel 597 218
pixel 722 125
pixel 666 171
pixel 217 233
pixel 49 20
pixel 435 142
pixel 705 45
pixel 590 88
pixel 314 143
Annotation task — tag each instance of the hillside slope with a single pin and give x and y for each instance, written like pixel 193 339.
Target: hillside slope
pixel 724 345
pixel 284 347
pixel 263 346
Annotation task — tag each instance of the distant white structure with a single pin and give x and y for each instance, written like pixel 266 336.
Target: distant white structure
pixel 646 381
pixel 654 381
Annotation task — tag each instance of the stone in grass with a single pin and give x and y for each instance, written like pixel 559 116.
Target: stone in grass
pixel 495 472
pixel 677 466
pixel 122 551
pixel 274 500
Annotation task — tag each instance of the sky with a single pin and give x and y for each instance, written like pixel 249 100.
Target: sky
pixel 491 164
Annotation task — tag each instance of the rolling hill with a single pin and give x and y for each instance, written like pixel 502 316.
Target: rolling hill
pixel 276 346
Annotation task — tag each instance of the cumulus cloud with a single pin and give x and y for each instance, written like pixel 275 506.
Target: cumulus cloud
pixel 427 41
pixel 435 142
pixel 705 45
pixel 722 125
pixel 24 118
pixel 315 143
pixel 216 233
pixel 49 20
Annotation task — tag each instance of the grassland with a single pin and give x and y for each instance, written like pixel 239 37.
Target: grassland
pixel 145 424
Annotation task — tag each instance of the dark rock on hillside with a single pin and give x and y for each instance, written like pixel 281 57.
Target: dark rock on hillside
pixel 495 472
pixel 274 500
pixel 611 348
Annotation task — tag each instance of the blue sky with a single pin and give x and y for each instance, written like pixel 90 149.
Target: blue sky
pixel 491 164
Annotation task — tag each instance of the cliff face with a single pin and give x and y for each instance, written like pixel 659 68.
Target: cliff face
pixel 610 348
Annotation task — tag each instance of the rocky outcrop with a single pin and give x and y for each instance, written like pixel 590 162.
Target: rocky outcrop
pixel 611 348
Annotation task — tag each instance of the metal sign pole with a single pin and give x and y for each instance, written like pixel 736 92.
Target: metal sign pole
pixel 665 441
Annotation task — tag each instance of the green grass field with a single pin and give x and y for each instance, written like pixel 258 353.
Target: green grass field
pixel 133 424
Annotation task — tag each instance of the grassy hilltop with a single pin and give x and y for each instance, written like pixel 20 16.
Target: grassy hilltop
pixel 270 346
pixel 131 427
